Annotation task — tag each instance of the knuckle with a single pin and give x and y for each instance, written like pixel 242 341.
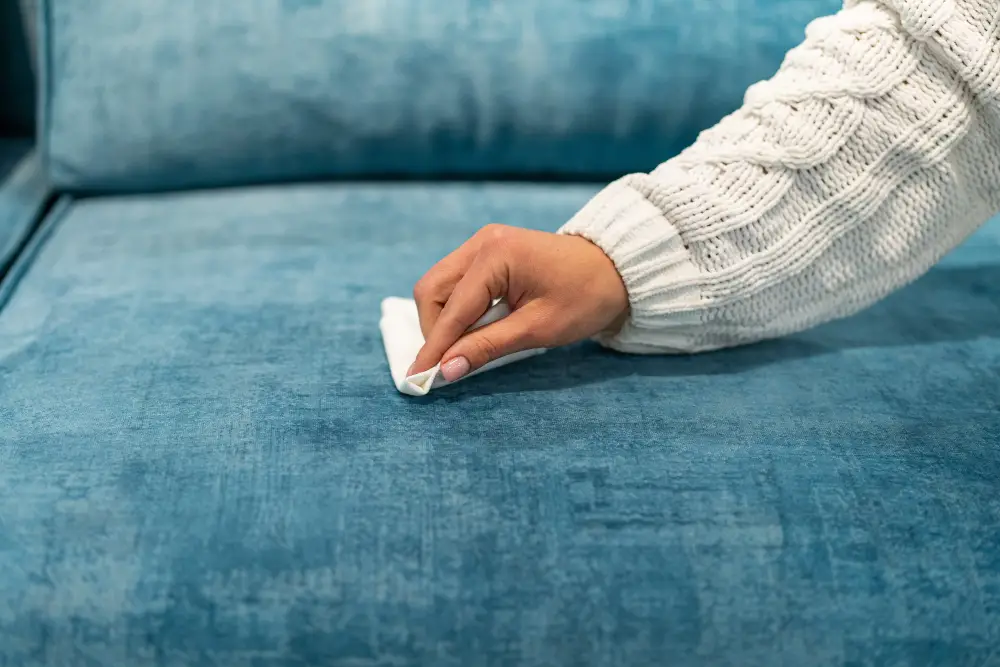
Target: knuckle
pixel 487 348
pixel 495 235
pixel 532 338
pixel 450 324
pixel 422 290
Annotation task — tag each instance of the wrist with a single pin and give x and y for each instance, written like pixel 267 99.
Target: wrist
pixel 662 296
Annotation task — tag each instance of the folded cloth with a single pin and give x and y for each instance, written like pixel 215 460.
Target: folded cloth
pixel 402 338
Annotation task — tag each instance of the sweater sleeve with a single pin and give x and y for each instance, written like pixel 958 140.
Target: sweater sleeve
pixel 872 152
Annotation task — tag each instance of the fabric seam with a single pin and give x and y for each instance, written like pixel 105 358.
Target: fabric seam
pixel 25 259
pixel 23 171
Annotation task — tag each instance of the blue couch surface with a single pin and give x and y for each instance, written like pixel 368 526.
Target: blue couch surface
pixel 24 192
pixel 168 94
pixel 204 460
pixel 12 151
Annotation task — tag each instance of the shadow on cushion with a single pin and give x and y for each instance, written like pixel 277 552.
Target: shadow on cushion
pixel 948 305
pixel 17 80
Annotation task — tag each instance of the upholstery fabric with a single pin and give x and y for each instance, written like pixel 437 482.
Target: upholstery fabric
pixel 175 93
pixel 23 195
pixel 29 16
pixel 203 459
pixel 12 151
pixel 17 80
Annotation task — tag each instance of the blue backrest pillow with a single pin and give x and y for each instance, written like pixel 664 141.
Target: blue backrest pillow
pixel 167 94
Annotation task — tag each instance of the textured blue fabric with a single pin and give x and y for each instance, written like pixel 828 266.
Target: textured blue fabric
pixel 23 194
pixel 203 460
pixel 166 94
pixel 12 151
pixel 17 81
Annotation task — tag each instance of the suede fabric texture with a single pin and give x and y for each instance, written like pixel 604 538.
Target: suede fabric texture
pixel 12 151
pixel 204 460
pixel 24 193
pixel 169 94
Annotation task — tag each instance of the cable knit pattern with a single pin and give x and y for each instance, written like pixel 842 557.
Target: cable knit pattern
pixel 871 153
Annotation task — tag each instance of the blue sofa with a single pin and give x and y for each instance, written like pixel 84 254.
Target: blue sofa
pixel 203 459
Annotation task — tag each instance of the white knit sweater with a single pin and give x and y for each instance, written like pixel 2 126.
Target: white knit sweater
pixel 872 152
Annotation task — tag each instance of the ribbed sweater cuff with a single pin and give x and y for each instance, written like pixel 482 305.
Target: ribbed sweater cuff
pixel 663 284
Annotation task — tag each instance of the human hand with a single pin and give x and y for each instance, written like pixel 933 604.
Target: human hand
pixel 561 289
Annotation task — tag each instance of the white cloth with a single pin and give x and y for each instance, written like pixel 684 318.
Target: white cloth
pixel 402 338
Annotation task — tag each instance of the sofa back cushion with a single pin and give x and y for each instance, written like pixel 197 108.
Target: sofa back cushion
pixel 17 82
pixel 181 93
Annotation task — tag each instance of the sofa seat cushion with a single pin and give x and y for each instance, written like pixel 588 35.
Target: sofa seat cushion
pixel 203 459
pixel 24 192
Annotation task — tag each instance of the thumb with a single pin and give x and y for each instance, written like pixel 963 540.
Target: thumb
pixel 521 330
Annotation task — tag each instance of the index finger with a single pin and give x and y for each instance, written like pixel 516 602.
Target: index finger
pixel 432 290
pixel 471 298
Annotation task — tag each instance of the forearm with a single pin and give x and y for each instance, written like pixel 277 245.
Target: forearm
pixel 873 152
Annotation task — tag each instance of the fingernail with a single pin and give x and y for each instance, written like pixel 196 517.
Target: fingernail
pixel 455 368
pixel 409 371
